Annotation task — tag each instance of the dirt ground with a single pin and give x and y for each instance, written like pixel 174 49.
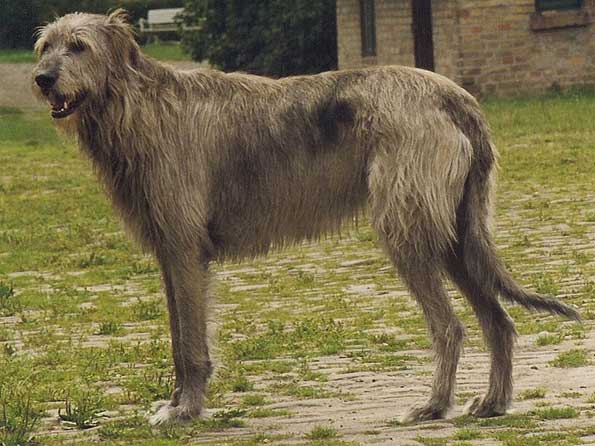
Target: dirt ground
pixel 545 234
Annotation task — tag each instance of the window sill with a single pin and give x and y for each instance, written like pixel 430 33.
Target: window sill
pixel 542 21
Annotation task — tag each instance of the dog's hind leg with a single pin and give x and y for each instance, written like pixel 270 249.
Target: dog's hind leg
pixel 414 190
pixel 499 334
pixel 419 262
pixel 425 282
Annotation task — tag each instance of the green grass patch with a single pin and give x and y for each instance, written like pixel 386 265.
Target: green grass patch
pixel 166 51
pixel 9 303
pixel 548 339
pixel 467 434
pixel 321 433
pixel 556 413
pixel 18 417
pixel 431 441
pixel 571 358
pixel 81 410
pixel 17 56
pixel 532 394
pixel 109 328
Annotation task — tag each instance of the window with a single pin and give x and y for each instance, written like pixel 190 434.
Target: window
pixel 568 14
pixel 368 27
pixel 549 5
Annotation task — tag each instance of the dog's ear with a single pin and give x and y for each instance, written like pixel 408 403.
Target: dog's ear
pixel 119 21
pixel 119 16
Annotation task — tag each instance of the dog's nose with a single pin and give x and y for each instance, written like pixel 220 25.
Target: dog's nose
pixel 45 80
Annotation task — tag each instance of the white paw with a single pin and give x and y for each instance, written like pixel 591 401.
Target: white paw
pixel 168 414
pixel 165 414
pixel 425 412
pixel 482 408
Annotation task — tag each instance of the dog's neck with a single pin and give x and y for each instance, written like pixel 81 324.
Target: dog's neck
pixel 113 121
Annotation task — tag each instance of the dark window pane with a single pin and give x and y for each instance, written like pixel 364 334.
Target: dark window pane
pixel 548 5
pixel 368 27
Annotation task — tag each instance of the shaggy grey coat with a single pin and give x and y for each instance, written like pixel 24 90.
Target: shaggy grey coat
pixel 203 165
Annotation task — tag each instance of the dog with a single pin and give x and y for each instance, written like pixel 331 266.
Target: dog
pixel 206 166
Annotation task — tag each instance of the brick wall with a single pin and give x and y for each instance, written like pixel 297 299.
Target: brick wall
pixel 501 54
pixel 491 47
pixel 393 23
pixel 446 38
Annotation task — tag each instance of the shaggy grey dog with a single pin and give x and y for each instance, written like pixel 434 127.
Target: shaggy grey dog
pixel 204 166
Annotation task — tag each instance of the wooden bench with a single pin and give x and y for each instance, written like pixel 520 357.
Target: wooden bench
pixel 162 21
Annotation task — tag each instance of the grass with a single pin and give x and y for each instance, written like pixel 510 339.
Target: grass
pixel 18 417
pixel 571 358
pixel 531 394
pixel 467 434
pixel 548 339
pixel 557 413
pixel 165 51
pixel 9 303
pixel 82 409
pixel 321 433
pixel 84 328
pixel 16 56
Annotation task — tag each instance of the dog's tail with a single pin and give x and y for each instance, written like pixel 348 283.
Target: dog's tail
pixel 475 246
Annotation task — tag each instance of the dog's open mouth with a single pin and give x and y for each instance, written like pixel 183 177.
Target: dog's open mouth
pixel 61 107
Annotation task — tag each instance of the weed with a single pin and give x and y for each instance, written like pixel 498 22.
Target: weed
pixel 467 434
pixel 92 259
pixel 303 392
pixel 151 385
pixel 431 441
pixel 556 413
pixel 82 409
pixel 223 420
pixel 254 400
pixel 241 384
pixel 9 303
pixel 571 358
pixel 18 417
pixel 267 413
pixel 548 339
pixel 321 433
pixel 531 394
pixel 109 328
pixel 148 310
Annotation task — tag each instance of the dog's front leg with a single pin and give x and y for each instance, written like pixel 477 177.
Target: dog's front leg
pixel 189 283
pixel 174 325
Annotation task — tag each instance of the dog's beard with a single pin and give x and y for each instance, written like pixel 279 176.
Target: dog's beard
pixel 68 125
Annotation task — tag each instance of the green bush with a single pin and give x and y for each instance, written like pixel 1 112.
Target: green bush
pixel 270 37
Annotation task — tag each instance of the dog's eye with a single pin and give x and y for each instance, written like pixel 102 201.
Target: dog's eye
pixel 44 48
pixel 77 47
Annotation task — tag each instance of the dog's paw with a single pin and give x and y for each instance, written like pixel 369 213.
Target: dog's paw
pixel 168 414
pixel 424 412
pixel 484 408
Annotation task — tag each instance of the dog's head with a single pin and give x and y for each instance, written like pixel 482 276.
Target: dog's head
pixel 80 55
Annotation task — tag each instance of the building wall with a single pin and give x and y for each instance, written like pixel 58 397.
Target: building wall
pixel 487 46
pixel 394 44
pixel 501 55
pixel 445 28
